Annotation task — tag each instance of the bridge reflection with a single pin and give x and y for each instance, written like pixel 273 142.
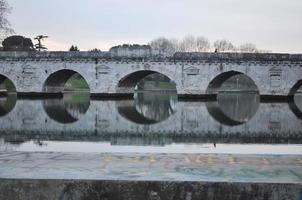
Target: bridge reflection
pixel 68 109
pixel 296 105
pixel 7 104
pixel 148 108
pixel 151 119
pixel 234 108
pixel 298 101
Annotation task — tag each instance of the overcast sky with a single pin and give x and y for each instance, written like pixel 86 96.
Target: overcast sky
pixel 270 24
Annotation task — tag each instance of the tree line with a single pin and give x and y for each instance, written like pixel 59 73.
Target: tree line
pixel 191 43
pixel 159 45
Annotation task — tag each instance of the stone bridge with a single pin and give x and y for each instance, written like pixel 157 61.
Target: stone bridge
pixel 193 73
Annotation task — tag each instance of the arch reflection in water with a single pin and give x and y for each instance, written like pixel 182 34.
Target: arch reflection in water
pixel 148 107
pixel 298 101
pixel 234 108
pixel 296 105
pixel 68 109
pixel 7 104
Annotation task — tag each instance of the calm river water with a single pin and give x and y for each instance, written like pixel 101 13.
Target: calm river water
pixel 152 122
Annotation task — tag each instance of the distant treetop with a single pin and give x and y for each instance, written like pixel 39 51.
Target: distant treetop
pixel 74 48
pixel 95 50
pixel 17 43
pixel 131 46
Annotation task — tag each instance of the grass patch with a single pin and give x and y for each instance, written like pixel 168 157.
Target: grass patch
pixel 76 98
pixel 76 83
pixel 159 85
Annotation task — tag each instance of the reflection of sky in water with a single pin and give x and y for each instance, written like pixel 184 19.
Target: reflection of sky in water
pixel 51 146
pixel 148 108
pixel 298 101
pixel 7 104
pixel 155 106
pixel 234 108
pixel 239 107
pixel 69 109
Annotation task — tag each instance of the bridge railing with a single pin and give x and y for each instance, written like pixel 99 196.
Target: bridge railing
pixel 178 56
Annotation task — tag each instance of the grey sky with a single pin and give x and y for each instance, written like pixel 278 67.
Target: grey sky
pixel 270 24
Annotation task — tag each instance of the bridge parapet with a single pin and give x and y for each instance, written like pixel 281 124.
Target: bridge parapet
pixel 237 56
pixel 179 56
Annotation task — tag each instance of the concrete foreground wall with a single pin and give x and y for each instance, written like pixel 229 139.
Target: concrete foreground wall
pixel 274 74
pixel 128 190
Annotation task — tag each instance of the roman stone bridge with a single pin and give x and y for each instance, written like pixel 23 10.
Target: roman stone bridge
pixel 193 73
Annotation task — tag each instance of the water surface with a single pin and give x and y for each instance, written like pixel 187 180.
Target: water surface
pixel 237 123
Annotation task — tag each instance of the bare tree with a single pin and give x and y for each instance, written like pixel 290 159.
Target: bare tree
pixel 188 44
pixel 202 44
pixel 192 44
pixel 264 51
pixel 5 27
pixel 163 46
pixel 224 46
pixel 248 48
pixel 175 44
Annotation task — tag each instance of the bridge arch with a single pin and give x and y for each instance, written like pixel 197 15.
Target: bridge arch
pixel 234 109
pixel 6 85
pixel 68 109
pixel 295 103
pixel 295 88
pixel 216 83
pixel 129 81
pixel 56 82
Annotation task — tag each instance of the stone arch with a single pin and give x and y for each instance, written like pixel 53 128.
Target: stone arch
pixel 295 103
pixel 128 82
pixel 234 109
pixel 55 83
pixel 6 85
pixel 66 110
pixel 295 88
pixel 216 83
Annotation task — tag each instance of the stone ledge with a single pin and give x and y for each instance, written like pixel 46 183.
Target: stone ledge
pixel 14 189
pixel 179 56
